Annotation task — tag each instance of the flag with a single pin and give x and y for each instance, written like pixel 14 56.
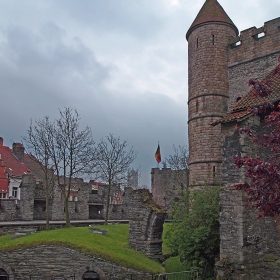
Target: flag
pixel 157 155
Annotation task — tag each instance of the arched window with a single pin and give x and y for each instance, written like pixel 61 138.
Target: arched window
pixel 91 275
pixel 3 274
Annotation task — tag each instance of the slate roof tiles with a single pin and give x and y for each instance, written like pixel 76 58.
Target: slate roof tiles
pixel 211 11
pixel 249 100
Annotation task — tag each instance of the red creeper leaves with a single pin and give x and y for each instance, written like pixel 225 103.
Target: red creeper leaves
pixel 263 186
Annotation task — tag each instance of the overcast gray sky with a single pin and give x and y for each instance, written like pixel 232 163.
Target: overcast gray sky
pixel 121 63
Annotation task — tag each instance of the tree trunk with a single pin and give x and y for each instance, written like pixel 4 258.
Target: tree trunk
pixel 47 212
pixel 107 205
pixel 67 217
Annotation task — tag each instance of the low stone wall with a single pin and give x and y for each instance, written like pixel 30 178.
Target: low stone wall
pixel 9 210
pixel 118 212
pixel 60 261
pixel 10 229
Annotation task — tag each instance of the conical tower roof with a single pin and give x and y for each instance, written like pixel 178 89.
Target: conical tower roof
pixel 211 11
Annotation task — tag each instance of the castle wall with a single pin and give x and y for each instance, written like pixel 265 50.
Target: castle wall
pixel 253 58
pixel 239 74
pixel 167 186
pixel 249 246
pixel 251 46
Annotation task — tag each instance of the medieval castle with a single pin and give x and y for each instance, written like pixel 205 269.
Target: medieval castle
pixel 220 62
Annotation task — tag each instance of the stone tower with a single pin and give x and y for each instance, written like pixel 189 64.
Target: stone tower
pixel 208 41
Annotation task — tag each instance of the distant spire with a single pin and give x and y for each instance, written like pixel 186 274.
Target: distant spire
pixel 211 11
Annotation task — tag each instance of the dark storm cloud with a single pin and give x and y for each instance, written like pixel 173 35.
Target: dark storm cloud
pixel 40 73
pixel 121 63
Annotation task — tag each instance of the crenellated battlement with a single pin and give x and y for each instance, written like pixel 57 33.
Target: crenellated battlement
pixel 255 42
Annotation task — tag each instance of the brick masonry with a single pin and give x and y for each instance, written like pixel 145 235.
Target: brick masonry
pixel 218 74
pixel 208 98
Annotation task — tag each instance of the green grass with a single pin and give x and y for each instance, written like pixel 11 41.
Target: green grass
pixel 112 247
pixel 165 249
pixel 173 264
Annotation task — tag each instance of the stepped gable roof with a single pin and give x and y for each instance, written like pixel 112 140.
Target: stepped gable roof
pixel 241 108
pixel 36 168
pixel 4 180
pixel 13 165
pixel 211 11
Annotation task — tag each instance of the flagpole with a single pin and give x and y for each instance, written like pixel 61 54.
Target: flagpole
pixel 157 155
pixel 158 162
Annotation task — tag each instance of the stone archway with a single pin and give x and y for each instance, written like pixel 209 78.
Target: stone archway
pixel 3 274
pixel 6 272
pixel 91 272
pixel 146 221
pixel 91 275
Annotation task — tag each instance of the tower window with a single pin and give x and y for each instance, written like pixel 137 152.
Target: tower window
pixel 214 171
pixel 213 39
pixel 197 42
pixel 196 106
pixel 238 98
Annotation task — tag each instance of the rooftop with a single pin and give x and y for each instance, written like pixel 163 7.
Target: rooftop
pixel 241 109
pixel 211 11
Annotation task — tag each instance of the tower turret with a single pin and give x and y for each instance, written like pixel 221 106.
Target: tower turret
pixel 208 39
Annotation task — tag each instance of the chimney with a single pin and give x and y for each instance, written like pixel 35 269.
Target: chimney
pixel 1 141
pixel 18 151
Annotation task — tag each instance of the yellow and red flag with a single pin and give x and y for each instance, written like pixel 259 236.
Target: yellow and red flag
pixel 157 155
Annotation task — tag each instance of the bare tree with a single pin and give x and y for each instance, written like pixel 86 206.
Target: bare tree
pixel 38 158
pixel 112 162
pixel 67 149
pixel 72 152
pixel 178 162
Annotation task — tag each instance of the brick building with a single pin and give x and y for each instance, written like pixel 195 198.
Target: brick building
pixel 221 61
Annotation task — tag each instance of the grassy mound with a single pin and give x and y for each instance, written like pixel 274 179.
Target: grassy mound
pixel 113 247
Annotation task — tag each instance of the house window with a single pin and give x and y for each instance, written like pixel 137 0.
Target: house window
pixel 14 193
pixel 3 195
